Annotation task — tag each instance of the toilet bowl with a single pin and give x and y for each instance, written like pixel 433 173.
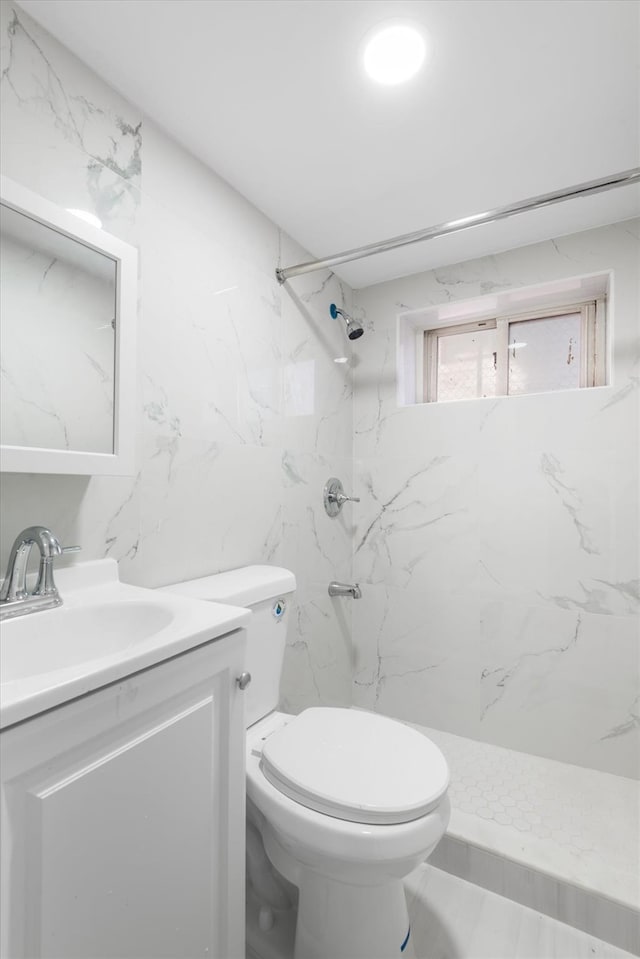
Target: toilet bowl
pixel 348 870
pixel 347 802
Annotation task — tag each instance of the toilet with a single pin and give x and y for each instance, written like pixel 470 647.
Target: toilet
pixel 347 802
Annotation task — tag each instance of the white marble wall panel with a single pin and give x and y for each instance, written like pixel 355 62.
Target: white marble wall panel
pixel 316 543
pixel 575 514
pixel 318 417
pixel 317 444
pixel 412 655
pixel 242 412
pixel 415 520
pixel 183 185
pixel 61 135
pixel 318 547
pixel 498 538
pixel 317 666
pixel 567 679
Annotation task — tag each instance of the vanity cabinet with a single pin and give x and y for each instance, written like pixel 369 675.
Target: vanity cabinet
pixel 123 817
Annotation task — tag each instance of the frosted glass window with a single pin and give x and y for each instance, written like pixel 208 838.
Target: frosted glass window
pixel 466 365
pixel 533 352
pixel 545 354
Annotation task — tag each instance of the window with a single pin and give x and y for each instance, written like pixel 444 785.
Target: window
pixel 537 339
pixel 535 352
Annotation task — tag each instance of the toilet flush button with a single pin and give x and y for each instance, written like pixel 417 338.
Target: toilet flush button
pixel 279 609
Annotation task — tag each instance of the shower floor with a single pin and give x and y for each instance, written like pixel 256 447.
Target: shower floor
pixel 559 838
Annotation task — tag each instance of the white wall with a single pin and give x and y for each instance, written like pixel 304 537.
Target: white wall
pixel 242 412
pixel 497 540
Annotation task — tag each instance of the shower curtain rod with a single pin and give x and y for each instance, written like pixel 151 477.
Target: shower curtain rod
pixel 464 223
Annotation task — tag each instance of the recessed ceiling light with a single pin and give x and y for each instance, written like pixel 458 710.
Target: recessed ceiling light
pixel 394 54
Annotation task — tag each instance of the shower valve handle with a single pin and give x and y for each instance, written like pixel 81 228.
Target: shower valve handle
pixel 335 497
pixel 341 498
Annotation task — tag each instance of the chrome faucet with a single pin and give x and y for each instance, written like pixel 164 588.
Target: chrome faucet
pixel 345 589
pixel 15 599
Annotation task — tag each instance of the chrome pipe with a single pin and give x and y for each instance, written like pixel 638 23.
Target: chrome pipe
pixel 464 223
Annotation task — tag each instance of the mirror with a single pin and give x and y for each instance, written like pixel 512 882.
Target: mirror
pixel 57 339
pixel 67 362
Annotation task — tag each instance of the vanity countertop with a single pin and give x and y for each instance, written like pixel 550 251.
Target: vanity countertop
pixel 105 631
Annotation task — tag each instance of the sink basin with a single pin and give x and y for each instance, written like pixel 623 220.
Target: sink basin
pixel 104 631
pixel 66 637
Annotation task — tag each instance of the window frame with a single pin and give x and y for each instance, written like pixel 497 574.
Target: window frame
pixel 592 345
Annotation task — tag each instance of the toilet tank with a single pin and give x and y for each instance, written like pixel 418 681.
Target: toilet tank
pixel 268 592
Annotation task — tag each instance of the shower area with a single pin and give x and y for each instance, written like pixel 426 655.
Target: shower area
pixel 495 545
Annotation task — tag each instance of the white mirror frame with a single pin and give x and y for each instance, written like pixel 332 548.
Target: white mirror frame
pixel 30 459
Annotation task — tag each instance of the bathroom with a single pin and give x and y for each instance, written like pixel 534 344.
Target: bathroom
pixel 495 540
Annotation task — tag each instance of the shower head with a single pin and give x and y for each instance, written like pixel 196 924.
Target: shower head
pixel 354 330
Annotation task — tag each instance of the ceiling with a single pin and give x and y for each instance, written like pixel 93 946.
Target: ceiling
pixel 519 98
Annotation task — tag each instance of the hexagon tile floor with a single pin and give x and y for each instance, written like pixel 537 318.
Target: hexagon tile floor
pixel 556 837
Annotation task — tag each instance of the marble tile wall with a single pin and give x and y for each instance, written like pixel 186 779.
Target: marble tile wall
pixel 497 540
pixel 242 413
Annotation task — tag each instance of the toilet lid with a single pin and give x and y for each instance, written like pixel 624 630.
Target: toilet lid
pixel 357 766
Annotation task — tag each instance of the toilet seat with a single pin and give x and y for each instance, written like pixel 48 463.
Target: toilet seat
pixel 355 766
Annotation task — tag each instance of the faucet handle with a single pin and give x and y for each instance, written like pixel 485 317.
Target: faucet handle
pixel 45 585
pixel 342 498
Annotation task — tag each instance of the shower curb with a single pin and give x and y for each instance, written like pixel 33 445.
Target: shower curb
pixel 584 909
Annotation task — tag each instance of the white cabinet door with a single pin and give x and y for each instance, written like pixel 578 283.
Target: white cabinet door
pixel 123 818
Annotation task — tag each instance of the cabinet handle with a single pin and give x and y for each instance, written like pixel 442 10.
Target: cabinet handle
pixel 243 680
